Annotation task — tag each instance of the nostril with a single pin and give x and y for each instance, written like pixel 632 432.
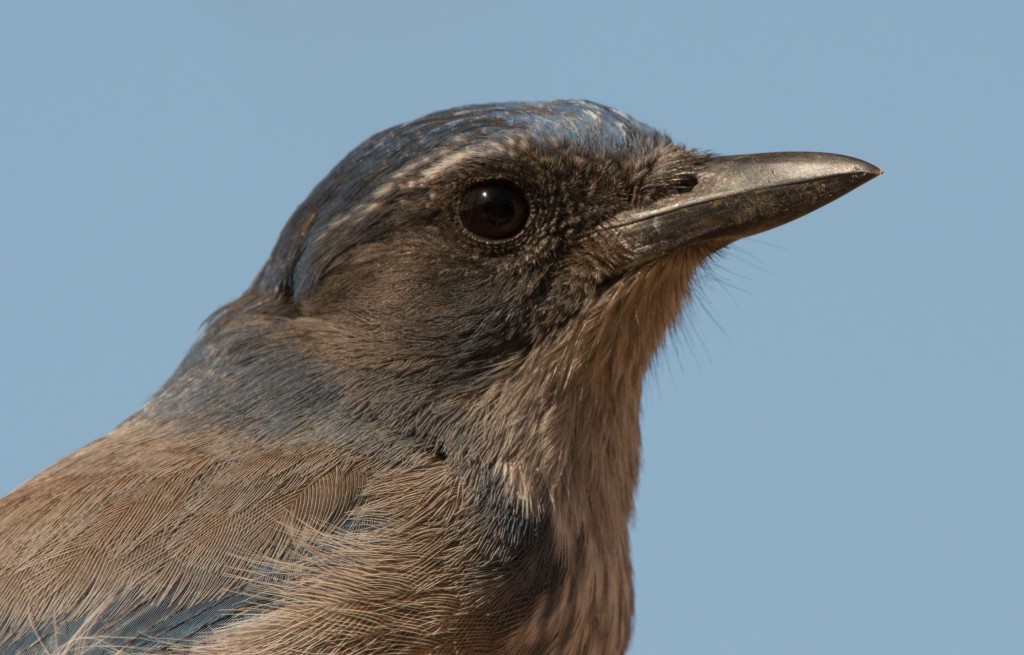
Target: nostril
pixel 685 182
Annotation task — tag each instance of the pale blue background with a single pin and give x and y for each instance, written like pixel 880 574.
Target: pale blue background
pixel 833 445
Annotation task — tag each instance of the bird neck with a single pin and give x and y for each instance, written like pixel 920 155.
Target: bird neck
pixel 574 451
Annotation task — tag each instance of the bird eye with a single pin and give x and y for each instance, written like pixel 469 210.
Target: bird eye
pixel 494 210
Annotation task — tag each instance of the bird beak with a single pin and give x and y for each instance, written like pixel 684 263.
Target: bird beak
pixel 738 196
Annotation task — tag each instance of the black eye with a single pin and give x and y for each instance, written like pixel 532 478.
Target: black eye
pixel 494 210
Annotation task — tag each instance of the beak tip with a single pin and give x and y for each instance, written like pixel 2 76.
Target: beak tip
pixel 864 168
pixel 827 164
pixel 858 172
pixel 840 172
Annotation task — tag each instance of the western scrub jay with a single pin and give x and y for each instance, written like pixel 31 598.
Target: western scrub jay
pixel 417 430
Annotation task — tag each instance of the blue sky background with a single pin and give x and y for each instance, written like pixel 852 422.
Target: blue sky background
pixel 833 443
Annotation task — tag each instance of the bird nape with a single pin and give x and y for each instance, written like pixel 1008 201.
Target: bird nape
pixel 417 431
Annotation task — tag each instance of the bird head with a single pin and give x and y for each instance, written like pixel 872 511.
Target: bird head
pixel 475 234
pixel 504 254
pixel 478 233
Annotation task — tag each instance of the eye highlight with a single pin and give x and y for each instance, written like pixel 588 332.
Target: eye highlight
pixel 496 210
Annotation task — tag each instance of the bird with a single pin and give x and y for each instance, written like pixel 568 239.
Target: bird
pixel 417 430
